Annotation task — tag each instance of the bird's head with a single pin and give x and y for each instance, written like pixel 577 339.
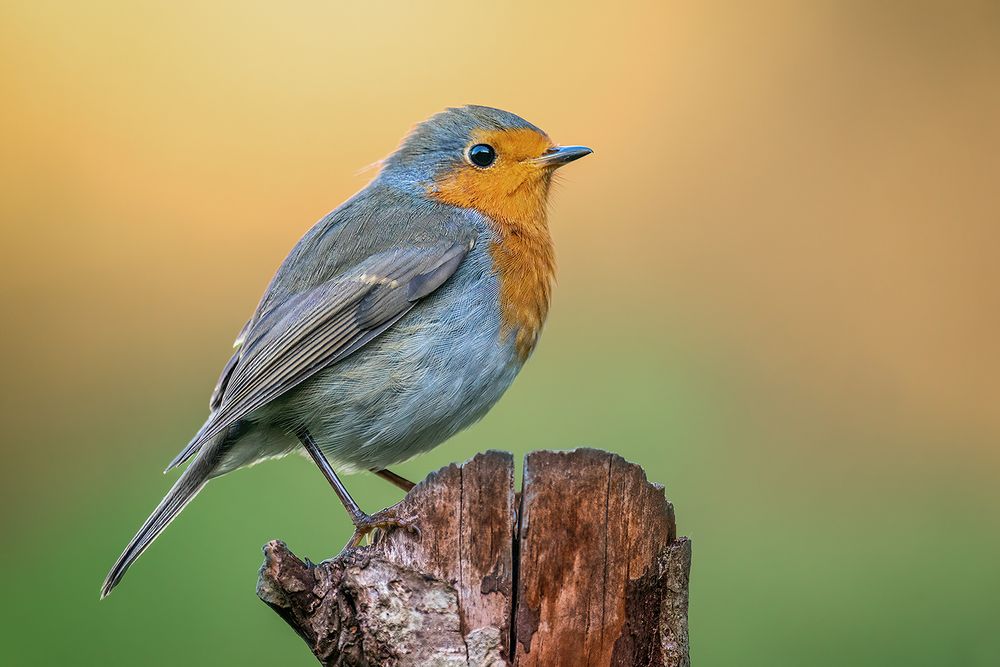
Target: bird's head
pixel 481 158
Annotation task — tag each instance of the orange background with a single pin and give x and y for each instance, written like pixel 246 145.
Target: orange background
pixel 778 291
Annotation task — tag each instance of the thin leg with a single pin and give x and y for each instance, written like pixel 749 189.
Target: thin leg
pixel 394 479
pixel 363 523
pixel 317 455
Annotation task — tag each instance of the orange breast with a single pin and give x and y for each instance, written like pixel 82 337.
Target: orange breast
pixel 513 196
pixel 525 265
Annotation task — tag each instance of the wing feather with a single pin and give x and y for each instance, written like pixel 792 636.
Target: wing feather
pixel 321 326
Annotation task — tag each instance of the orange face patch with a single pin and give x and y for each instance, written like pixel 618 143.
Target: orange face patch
pixel 512 193
pixel 512 188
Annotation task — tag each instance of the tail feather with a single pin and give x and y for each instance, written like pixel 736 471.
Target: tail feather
pixel 190 449
pixel 186 488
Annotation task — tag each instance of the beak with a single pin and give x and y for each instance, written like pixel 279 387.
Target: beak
pixel 557 156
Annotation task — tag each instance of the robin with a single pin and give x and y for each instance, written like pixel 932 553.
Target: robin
pixel 399 319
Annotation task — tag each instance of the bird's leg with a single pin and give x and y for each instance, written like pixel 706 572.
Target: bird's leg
pixel 394 479
pixel 345 497
pixel 363 523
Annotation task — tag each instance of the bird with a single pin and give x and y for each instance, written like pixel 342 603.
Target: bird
pixel 397 320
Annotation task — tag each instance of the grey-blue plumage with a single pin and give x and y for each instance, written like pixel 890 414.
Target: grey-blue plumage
pixel 435 371
pixel 380 335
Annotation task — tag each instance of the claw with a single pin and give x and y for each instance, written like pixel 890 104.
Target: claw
pixel 385 520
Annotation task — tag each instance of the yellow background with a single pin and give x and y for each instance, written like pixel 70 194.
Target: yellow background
pixel 778 292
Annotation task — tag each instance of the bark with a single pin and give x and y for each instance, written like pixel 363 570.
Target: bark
pixel 585 569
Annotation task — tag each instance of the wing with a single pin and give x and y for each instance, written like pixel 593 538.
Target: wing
pixel 216 398
pixel 227 371
pixel 323 325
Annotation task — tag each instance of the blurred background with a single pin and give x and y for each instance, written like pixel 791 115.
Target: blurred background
pixel 778 292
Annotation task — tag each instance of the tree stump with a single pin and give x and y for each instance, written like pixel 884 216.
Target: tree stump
pixel 584 568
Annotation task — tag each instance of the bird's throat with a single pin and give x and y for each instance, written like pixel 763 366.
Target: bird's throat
pixel 524 259
pixel 523 254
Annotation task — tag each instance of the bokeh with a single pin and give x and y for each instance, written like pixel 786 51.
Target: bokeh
pixel 778 292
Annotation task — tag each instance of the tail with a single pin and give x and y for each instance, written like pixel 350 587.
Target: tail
pixel 186 488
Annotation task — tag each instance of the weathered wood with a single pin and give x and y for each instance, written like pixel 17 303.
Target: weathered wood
pixel 466 517
pixel 462 559
pixel 361 610
pixel 579 550
pixel 592 574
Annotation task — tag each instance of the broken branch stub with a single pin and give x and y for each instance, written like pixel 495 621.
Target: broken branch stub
pixel 591 573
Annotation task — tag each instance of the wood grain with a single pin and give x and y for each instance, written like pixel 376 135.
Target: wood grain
pixel 466 518
pixel 591 574
pixel 580 550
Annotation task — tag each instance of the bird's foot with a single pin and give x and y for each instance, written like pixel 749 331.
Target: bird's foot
pixel 386 520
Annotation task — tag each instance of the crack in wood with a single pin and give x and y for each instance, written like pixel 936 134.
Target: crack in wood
pixel 498 583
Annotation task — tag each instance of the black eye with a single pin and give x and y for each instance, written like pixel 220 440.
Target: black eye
pixel 482 155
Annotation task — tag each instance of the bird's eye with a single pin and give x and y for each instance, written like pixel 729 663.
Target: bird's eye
pixel 482 155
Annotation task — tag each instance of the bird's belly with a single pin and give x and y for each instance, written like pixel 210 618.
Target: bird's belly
pixel 433 373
